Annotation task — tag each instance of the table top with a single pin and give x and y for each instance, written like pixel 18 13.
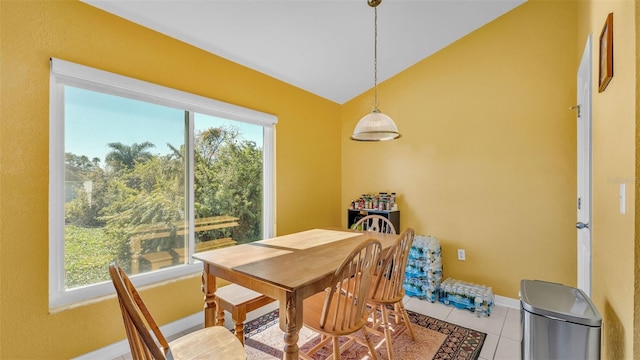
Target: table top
pixel 292 261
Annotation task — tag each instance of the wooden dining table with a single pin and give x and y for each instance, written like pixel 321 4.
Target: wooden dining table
pixel 287 268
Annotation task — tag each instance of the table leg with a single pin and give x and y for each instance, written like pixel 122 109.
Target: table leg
pixel 209 289
pixel 291 323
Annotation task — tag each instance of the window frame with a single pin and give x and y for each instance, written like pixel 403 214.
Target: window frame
pixel 64 73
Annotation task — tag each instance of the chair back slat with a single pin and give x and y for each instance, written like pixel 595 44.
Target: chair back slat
pixel 345 311
pixel 138 351
pixel 375 223
pixel 388 286
pixel 137 319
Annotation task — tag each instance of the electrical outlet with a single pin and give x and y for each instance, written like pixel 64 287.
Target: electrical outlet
pixel 461 255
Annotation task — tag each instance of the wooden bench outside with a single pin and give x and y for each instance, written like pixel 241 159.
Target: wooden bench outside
pixel 206 246
pixel 159 259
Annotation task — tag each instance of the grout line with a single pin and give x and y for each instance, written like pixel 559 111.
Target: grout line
pixel 504 321
pixel 497 344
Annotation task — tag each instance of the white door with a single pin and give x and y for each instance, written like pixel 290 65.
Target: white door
pixel 583 225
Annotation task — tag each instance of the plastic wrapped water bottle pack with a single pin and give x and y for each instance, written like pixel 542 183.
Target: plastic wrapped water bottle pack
pixel 464 295
pixel 424 268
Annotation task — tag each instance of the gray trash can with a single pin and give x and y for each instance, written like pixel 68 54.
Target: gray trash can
pixel 558 322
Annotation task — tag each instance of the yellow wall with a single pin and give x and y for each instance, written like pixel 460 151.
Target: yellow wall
pixel 486 161
pixel 614 162
pixel 33 31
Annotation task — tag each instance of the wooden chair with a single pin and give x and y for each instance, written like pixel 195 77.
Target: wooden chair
pixel 146 340
pixel 375 223
pixel 387 288
pixel 335 312
pixel 238 301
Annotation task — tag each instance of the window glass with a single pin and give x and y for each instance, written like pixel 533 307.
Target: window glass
pixel 228 182
pixel 146 176
pixel 124 185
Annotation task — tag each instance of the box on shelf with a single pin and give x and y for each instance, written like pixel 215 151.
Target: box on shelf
pixel 381 201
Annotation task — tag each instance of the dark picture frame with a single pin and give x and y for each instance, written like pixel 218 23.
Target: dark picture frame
pixel 606 54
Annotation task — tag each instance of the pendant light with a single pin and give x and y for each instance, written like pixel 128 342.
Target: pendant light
pixel 375 126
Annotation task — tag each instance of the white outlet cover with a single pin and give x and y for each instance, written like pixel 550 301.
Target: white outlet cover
pixel 461 254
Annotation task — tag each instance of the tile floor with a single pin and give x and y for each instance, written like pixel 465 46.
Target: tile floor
pixel 502 327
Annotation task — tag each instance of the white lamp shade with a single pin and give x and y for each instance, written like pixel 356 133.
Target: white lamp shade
pixel 375 126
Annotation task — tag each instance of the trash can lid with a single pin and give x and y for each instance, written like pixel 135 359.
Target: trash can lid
pixel 558 301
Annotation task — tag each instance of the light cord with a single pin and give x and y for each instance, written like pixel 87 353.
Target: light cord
pixel 375 58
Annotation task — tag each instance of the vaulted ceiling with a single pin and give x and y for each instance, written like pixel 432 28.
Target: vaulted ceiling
pixel 324 46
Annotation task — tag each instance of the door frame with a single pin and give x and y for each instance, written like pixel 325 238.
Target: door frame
pixel 584 169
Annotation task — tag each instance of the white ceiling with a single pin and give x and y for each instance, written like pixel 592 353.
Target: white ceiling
pixel 322 46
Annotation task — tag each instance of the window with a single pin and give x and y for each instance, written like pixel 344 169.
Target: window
pixel 146 176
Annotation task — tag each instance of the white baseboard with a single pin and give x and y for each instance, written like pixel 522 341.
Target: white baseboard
pixel 121 348
pixel 507 302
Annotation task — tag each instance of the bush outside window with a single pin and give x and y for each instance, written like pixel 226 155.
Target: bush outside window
pixel 146 178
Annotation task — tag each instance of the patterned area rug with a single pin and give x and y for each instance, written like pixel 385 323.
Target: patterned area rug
pixel 435 339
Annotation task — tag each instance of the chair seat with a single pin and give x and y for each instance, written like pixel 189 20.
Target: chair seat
pixel 146 341
pixel 200 345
